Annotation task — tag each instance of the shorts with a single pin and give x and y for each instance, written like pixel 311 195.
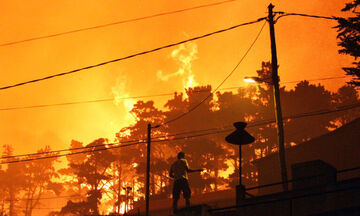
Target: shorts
pixel 181 185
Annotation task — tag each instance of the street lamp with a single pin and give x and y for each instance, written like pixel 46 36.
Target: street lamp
pixel 258 80
pixel 240 137
pixel 249 79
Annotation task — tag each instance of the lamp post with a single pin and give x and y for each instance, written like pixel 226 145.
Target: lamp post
pixel 240 137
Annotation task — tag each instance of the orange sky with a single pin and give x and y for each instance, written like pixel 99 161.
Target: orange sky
pixel 306 50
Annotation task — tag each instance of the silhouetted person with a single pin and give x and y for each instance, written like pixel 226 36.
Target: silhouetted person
pixel 178 171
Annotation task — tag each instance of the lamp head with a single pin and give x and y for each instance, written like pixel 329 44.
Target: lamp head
pixel 249 79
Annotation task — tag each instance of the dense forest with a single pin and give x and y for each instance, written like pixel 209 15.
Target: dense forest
pixel 101 176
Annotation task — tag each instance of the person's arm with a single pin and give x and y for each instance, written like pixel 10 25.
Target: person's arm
pixel 195 170
pixel 192 170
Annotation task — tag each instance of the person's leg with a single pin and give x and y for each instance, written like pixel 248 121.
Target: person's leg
pixel 187 192
pixel 176 195
pixel 187 202
pixel 175 201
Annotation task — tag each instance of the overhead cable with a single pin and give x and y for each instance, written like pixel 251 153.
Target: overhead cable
pixel 283 14
pixel 83 102
pixel 146 96
pixel 42 198
pixel 69 154
pixel 107 144
pixel 74 149
pixel 114 23
pixel 318 79
pixel 130 56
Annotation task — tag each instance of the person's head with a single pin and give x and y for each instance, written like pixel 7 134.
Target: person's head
pixel 181 155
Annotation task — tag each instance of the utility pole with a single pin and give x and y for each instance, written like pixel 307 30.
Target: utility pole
pixel 148 168
pixel 278 114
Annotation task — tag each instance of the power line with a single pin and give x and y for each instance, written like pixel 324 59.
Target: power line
pixel 108 144
pixel 283 14
pixel 96 101
pixel 159 138
pixel 114 23
pixel 69 154
pixel 222 130
pixel 39 208
pixel 265 122
pixel 323 112
pixel 104 149
pixel 82 102
pixel 130 56
pixel 325 78
pixel 144 96
pixel 227 77
pixel 42 198
pixel 71 149
pixel 101 145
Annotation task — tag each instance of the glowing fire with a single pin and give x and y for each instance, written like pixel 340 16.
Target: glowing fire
pixel 111 209
pixel 184 55
pixel 119 94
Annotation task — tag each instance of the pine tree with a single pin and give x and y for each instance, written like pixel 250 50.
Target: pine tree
pixel 349 36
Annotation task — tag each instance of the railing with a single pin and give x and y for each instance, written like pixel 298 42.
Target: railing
pixel 290 198
pixel 300 179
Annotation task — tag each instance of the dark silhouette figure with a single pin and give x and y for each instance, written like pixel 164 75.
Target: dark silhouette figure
pixel 178 171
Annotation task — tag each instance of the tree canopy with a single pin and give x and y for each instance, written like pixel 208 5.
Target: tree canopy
pixel 349 36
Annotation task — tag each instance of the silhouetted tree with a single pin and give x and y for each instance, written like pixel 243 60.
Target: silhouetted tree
pixel 346 96
pixel 72 185
pixel 12 179
pixel 39 179
pixel 145 113
pixel 349 36
pixel 266 140
pixel 2 191
pixel 92 172
pixel 306 98
pixel 122 172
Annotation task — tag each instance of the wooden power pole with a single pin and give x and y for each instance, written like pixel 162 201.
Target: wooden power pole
pixel 278 113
